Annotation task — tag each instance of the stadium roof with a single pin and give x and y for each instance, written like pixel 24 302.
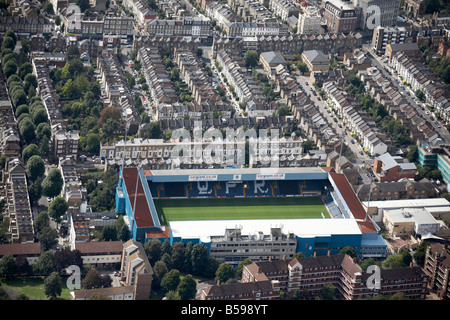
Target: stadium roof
pixel 142 215
pixel 300 227
pixel 233 171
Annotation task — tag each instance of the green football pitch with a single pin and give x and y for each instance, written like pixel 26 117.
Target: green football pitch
pixel 241 208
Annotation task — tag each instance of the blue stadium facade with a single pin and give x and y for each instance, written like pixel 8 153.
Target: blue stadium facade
pixel 349 225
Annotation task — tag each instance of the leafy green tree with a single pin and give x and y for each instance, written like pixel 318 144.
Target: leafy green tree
pixel 172 295
pixel 153 250
pixel 241 265
pixel 187 288
pixel 43 130
pixel 8 43
pixel 328 292
pixel 420 253
pixel 27 130
pixel 224 273
pixel 42 221
pixel 52 184
pixel 349 251
pixel 39 116
pixel 58 207
pixel 44 264
pixel 53 285
pixel 198 258
pixel 251 58
pixel 109 233
pixel 171 280
pixel 29 151
pixel 7 266
pixel 178 255
pixel 35 167
pixel 211 267
pixel 25 69
pixel 159 271
pixel 23 108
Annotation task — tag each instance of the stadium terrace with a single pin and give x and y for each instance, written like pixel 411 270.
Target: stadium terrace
pixel 253 213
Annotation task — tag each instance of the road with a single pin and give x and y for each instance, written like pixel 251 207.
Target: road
pixel 383 67
pixel 361 158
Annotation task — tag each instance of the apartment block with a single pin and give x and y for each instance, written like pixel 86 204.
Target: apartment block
pixel 389 10
pixel 135 269
pixel 65 143
pixel 311 274
pixel 18 207
pixel 309 21
pixel 437 268
pixel 284 8
pixel 382 36
pixel 339 16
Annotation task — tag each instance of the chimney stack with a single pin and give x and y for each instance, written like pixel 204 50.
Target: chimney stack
pixel 270 258
pixel 284 257
pixel 329 253
pixel 314 254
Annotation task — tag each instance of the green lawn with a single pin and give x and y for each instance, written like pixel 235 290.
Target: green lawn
pixel 34 287
pixel 241 208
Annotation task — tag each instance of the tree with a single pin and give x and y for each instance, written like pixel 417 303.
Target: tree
pixel 8 43
pixel 43 130
pixel 39 116
pixel 153 250
pixel 154 131
pixel 107 113
pixel 52 184
pixel 53 285
pixel 44 265
pixel 10 33
pixel 109 233
pixel 48 7
pixel 35 167
pixel 110 127
pixel 83 4
pixel 35 191
pixel 211 267
pixel 72 52
pixel 224 272
pixel 178 255
pixel 92 280
pixel 159 271
pixel 25 69
pixel 349 251
pixel 7 266
pixel 420 253
pixel 251 58
pixel 29 151
pixel 172 295
pixel 412 154
pixel 393 262
pixel 198 258
pixel 57 208
pixel 23 108
pixel 92 143
pixel 27 130
pixel 171 280
pixel 241 265
pixel 187 288
pixel 328 292
pixel 42 221
pixel 48 237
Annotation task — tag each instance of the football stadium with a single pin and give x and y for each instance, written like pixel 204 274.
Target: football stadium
pixel 252 213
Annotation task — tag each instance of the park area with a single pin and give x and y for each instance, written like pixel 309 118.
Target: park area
pixel 241 208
